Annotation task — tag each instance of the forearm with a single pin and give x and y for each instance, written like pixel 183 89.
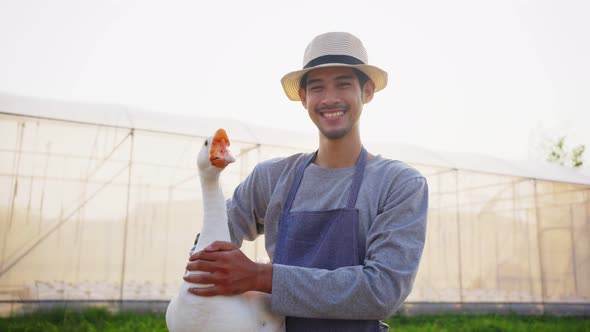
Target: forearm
pixel 264 278
pixel 352 292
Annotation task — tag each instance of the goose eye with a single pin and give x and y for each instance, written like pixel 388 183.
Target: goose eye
pixel 206 143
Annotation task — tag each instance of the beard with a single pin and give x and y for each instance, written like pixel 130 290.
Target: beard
pixel 335 133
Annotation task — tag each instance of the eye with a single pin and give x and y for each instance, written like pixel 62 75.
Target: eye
pixel 206 143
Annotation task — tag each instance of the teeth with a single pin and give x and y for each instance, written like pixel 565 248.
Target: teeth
pixel 332 115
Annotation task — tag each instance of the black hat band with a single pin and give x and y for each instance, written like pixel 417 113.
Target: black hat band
pixel 344 59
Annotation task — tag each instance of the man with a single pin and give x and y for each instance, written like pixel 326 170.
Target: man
pixel 344 228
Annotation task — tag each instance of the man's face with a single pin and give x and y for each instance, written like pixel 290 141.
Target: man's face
pixel 334 100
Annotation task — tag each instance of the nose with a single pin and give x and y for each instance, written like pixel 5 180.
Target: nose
pixel 330 97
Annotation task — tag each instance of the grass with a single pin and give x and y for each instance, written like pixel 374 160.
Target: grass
pixel 487 323
pixel 100 319
pixel 88 320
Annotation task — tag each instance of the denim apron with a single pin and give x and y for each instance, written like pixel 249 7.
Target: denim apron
pixel 325 240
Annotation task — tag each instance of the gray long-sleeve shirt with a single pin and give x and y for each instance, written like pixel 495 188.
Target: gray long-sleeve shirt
pixel 393 203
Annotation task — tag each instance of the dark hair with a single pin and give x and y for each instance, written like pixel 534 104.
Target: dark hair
pixel 362 77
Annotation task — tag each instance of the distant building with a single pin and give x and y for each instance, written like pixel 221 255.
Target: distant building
pixel 101 203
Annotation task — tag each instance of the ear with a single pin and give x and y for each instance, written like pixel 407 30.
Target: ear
pixel 303 97
pixel 368 91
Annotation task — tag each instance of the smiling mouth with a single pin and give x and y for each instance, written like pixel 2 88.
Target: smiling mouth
pixel 330 115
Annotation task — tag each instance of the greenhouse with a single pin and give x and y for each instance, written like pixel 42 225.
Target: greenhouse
pixel 101 204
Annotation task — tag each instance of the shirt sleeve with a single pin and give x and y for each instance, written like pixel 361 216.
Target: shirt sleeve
pixel 377 288
pixel 247 207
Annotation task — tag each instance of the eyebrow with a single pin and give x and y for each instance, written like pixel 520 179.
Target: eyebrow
pixel 337 78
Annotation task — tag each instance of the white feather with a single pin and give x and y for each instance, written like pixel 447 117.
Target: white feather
pixel 247 312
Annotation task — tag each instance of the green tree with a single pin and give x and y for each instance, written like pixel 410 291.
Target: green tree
pixel 558 153
pixel 578 156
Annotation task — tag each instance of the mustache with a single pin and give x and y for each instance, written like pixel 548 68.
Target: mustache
pixel 319 109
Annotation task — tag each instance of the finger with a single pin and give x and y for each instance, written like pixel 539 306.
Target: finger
pixel 213 247
pixel 205 291
pixel 200 265
pixel 221 246
pixel 202 255
pixel 195 256
pixel 200 278
pixel 211 256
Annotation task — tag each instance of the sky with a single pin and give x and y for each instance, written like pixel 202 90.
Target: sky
pixel 500 78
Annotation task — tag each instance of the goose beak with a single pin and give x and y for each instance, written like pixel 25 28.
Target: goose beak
pixel 220 156
pixel 228 158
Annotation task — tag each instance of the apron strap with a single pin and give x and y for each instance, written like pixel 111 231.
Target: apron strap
pixel 357 179
pixel 296 182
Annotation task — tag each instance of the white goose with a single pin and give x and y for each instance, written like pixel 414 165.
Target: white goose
pixel 247 312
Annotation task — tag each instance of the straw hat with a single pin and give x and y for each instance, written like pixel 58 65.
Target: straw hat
pixel 329 50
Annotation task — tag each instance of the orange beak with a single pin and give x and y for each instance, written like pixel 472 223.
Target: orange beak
pixel 219 155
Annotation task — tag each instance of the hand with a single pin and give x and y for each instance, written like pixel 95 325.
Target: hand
pixel 230 271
